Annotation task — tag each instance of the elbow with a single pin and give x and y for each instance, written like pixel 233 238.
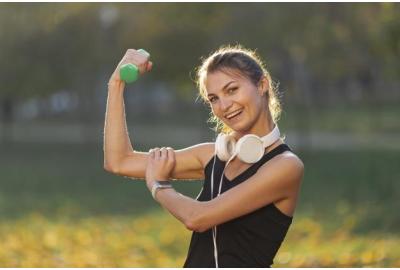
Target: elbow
pixel 196 226
pixel 191 226
pixel 197 222
pixel 111 168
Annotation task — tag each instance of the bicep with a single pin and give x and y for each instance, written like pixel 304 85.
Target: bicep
pixel 273 182
pixel 190 162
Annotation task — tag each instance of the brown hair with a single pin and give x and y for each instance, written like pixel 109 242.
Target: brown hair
pixel 248 64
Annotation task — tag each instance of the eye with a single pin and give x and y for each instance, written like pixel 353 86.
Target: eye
pixel 212 99
pixel 232 90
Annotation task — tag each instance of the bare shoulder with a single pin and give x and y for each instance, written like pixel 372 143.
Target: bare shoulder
pixel 291 160
pixel 286 165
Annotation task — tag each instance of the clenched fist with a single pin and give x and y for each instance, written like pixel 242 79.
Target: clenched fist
pixel 132 56
pixel 160 164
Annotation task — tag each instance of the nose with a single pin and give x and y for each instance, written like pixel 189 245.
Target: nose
pixel 226 103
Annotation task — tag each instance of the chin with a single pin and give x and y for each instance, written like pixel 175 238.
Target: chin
pixel 240 127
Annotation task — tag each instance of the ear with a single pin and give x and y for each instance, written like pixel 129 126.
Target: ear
pixel 263 86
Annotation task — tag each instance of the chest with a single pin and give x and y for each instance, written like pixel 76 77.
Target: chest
pixel 235 168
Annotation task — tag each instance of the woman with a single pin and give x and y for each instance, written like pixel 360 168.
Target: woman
pixel 245 208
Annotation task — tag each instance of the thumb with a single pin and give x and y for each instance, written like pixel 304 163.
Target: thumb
pixel 149 66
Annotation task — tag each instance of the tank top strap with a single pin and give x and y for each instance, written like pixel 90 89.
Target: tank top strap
pixel 274 152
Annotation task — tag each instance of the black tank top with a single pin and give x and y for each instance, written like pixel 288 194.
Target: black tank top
pixel 251 240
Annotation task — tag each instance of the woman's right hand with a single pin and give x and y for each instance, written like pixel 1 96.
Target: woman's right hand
pixel 132 56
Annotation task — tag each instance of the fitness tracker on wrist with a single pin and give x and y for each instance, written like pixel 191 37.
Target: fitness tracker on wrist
pixel 159 185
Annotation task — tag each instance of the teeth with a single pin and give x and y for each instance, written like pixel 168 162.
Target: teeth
pixel 229 116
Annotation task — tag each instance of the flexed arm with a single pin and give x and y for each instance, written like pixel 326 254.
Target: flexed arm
pixel 277 180
pixel 117 145
pixel 119 155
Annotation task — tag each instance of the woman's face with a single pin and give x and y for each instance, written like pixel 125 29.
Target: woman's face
pixel 235 100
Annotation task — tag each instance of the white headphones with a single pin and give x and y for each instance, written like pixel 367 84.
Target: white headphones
pixel 250 148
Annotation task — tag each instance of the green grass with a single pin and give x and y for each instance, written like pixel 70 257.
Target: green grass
pixel 363 182
pixel 347 212
pixel 49 177
pixel 353 118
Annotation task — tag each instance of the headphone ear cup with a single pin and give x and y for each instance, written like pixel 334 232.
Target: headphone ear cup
pixel 250 148
pixel 225 146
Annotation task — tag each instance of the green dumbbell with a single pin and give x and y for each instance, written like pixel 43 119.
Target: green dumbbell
pixel 129 72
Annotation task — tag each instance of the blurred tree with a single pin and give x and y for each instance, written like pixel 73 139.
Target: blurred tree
pixel 322 52
pixel 24 72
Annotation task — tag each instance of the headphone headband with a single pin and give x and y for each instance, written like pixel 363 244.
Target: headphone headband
pixel 271 137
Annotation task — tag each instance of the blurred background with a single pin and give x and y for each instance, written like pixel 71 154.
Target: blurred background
pixel 338 71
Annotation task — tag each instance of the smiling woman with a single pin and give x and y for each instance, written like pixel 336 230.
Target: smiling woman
pixel 251 177
pixel 243 66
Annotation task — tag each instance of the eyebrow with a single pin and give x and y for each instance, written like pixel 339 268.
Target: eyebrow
pixel 223 88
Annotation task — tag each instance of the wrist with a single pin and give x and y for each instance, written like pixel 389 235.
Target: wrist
pixel 115 83
pixel 151 180
pixel 157 185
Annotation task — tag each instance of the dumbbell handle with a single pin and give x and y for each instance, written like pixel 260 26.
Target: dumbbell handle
pixel 129 72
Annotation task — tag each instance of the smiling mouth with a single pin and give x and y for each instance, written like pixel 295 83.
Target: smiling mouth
pixel 233 115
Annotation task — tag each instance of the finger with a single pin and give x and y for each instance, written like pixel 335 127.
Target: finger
pixel 171 154
pixel 132 56
pixel 157 153
pixel 127 58
pixel 149 66
pixel 164 153
pixel 151 153
pixel 142 68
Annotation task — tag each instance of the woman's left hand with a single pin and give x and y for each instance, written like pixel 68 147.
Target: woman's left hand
pixel 160 164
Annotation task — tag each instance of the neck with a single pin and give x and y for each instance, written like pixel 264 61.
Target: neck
pixel 263 126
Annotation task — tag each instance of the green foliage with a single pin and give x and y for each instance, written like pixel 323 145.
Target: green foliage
pixel 60 208
pixel 43 177
pixel 46 46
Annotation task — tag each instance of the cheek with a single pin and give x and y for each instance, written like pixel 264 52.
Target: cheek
pixel 245 100
pixel 252 105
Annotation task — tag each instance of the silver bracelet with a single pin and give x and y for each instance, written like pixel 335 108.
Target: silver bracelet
pixel 159 185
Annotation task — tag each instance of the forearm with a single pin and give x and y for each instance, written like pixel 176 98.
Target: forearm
pixel 116 139
pixel 184 208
